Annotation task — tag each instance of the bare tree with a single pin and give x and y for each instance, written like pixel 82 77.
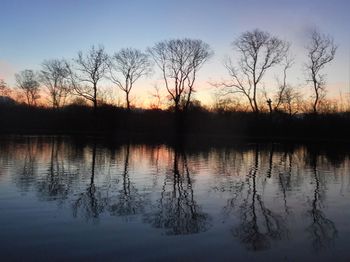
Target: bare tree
pixel 291 100
pixel 283 87
pixel 27 80
pixel 4 89
pixel 126 67
pixel 286 97
pixel 179 61
pixel 90 69
pixel 156 97
pixel 320 51
pixel 258 51
pixel 55 76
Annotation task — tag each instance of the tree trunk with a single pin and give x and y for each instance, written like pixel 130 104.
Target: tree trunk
pixel 95 105
pixel 177 106
pixel 188 101
pixel 256 108
pixel 95 97
pixel 127 101
pixel 316 99
pixel 269 103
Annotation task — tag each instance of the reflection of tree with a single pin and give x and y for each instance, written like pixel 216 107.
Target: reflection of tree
pixel 177 211
pixel 90 202
pixel 269 170
pixel 27 172
pixel 55 186
pixel 284 178
pixel 154 160
pixel 322 230
pixel 258 224
pixel 129 201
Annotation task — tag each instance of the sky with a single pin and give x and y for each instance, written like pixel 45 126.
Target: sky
pixel 32 31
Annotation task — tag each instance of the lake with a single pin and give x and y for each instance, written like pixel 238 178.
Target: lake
pixel 85 199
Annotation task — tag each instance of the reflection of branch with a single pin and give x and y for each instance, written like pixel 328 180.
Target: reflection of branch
pixel 29 167
pixel 129 201
pixel 269 170
pixel 56 185
pixel 90 201
pixel 177 211
pixel 284 180
pixel 322 230
pixel 259 225
pixel 270 166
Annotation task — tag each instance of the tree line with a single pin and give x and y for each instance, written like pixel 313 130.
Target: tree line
pixel 179 61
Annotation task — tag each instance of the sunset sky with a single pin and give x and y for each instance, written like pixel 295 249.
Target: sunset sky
pixel 32 31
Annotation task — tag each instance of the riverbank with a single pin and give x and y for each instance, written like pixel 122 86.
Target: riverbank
pixel 162 125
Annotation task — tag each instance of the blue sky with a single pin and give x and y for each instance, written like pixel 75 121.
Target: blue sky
pixel 32 31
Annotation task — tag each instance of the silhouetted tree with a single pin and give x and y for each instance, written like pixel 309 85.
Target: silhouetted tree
pixel 28 82
pixel 258 51
pixel 127 66
pixel 90 69
pixel 179 60
pixel 320 51
pixel 55 77
pixel 4 89
pixel 156 97
pixel 286 94
pixel 291 100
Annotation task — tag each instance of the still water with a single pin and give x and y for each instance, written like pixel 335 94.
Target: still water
pixel 62 199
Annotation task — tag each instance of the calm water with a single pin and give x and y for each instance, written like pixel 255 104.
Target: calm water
pixel 63 199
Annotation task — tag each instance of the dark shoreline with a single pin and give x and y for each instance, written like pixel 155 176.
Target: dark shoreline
pixel 198 125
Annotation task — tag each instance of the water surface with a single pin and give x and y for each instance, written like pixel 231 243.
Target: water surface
pixel 62 199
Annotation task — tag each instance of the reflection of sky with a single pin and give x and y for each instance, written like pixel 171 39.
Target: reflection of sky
pixel 222 183
pixel 32 31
